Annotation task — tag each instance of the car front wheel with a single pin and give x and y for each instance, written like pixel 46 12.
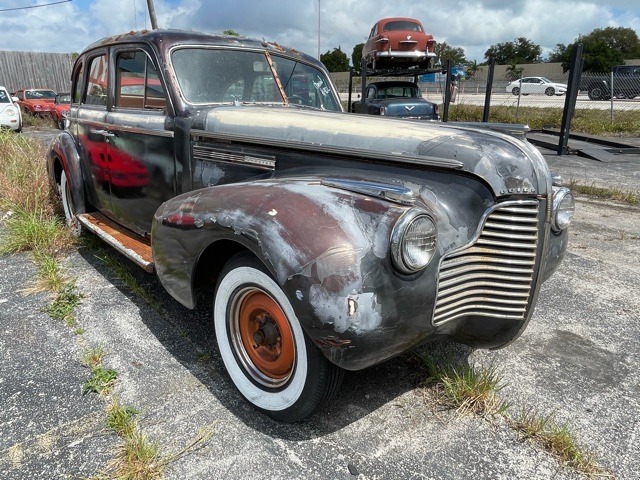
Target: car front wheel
pixel 269 358
pixel 515 91
pixel 68 206
pixel 550 91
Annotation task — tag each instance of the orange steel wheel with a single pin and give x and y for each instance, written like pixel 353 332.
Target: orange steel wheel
pixel 262 337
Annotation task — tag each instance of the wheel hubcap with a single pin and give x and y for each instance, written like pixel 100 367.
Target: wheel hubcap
pixel 262 337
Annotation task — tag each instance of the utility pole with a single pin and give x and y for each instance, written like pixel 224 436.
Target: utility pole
pixel 152 15
pixel 318 29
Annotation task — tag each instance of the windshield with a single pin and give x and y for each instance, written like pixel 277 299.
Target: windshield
pixel 63 98
pixel 39 94
pixel 222 76
pixel 4 97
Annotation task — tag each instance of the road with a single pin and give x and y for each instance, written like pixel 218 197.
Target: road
pixel 578 359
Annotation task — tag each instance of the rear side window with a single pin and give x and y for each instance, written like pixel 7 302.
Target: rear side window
pixel 96 91
pixel 77 83
pixel 137 82
pixel 4 98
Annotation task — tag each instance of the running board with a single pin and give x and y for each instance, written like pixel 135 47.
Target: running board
pixel 135 248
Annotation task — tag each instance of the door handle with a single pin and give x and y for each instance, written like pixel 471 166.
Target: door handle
pixel 104 133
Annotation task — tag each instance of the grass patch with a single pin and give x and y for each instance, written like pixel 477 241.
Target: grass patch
pixel 64 304
pixel 472 390
pixel 120 418
pixel 102 379
pixel 468 389
pixel 556 439
pixel 114 262
pixel 618 194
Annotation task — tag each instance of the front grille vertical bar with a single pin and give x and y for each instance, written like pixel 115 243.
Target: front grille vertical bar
pixel 494 275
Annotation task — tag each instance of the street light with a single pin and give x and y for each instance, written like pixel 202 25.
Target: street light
pixel 318 29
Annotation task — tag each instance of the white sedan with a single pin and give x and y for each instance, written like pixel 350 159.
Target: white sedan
pixel 10 116
pixel 527 85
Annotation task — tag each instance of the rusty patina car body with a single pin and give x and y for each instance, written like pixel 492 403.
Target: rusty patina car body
pixel 336 241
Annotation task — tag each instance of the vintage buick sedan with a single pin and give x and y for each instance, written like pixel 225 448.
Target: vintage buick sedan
pixel 324 241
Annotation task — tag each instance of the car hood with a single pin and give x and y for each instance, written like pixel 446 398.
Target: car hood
pixel 509 165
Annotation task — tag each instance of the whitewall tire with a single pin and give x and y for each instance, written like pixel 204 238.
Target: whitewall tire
pixel 268 356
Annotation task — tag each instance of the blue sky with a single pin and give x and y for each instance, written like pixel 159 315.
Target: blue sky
pixel 472 25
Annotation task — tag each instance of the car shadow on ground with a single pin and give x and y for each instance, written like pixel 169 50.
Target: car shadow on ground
pixel 188 336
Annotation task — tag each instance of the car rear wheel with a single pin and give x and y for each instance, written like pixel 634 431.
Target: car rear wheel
pixel 68 206
pixel 269 358
pixel 598 92
pixel 550 91
pixel 515 91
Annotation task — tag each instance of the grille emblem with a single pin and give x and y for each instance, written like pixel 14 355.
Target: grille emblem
pixel 409 108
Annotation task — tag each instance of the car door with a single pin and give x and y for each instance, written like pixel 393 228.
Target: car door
pixel 142 168
pixel 87 124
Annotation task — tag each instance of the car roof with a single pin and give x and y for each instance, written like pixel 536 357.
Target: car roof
pixel 398 19
pixel 164 39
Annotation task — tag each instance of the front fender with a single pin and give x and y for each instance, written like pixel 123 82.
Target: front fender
pixel 63 155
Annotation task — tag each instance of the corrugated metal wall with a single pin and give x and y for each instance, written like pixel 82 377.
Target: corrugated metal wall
pixel 35 70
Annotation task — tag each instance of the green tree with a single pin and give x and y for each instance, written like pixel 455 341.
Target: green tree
pixel 604 48
pixel 356 56
pixel 335 61
pixel 514 72
pixel 472 68
pixel 233 33
pixel 557 54
pixel 445 52
pixel 521 50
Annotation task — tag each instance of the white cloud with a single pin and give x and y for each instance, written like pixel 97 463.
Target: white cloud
pixel 472 25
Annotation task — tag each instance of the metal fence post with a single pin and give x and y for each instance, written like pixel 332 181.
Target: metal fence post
pixel 571 96
pixel 611 96
pixel 447 91
pixel 487 96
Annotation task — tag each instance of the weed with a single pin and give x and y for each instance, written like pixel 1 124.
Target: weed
pixel 621 195
pixel 120 418
pixel 124 275
pixel 33 228
pixel 469 389
pixel 79 331
pixel 101 380
pixel 64 304
pixel 203 357
pixel 557 439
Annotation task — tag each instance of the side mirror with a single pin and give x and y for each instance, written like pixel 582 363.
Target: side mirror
pixel 14 99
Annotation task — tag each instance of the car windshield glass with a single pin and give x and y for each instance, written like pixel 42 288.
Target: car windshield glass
pixel 63 98
pixel 39 94
pixel 221 76
pixel 402 25
pixel 305 85
pixel 4 98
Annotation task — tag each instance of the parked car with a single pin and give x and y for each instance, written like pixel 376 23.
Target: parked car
pixel 398 42
pixel 540 85
pixel 334 241
pixel 36 101
pixel 10 115
pixel 60 109
pixel 626 83
pixel 396 99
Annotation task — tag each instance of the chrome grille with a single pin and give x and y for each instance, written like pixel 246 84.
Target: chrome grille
pixel 494 276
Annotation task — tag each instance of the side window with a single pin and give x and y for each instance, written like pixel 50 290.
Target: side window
pixel 137 82
pixel 371 92
pixel 77 84
pixel 96 91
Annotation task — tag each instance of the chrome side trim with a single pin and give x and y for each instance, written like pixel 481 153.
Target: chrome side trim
pixel 206 152
pixel 392 193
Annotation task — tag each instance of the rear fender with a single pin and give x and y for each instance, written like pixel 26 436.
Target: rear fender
pixel 63 155
pixel 321 244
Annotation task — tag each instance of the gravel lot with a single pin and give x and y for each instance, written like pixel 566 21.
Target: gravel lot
pixel 578 359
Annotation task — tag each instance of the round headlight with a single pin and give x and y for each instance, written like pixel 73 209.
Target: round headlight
pixel 564 206
pixel 11 111
pixel 413 241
